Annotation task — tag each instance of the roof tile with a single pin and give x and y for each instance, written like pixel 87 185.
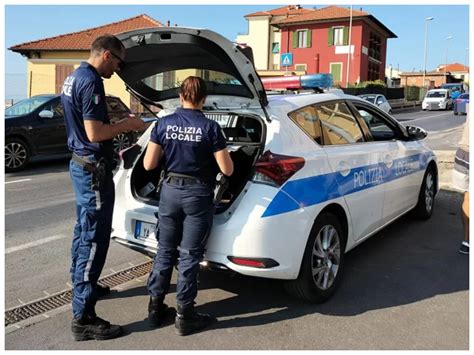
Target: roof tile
pixel 82 40
pixel 325 13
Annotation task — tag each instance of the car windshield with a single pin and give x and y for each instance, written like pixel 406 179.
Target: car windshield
pixel 27 106
pixel 369 98
pixel 173 79
pixel 436 94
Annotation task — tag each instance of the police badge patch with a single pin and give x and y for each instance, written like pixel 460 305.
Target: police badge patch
pixel 96 99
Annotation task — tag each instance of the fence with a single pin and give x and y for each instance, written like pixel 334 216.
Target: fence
pixel 389 93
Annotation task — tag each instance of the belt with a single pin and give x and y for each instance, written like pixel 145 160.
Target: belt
pixel 183 180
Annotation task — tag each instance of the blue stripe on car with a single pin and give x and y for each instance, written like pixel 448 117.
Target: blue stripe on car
pixel 316 189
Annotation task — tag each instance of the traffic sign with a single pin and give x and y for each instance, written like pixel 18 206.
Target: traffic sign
pixel 286 59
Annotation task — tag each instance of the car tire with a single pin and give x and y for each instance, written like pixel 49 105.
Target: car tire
pixel 323 255
pixel 122 141
pixel 425 205
pixel 17 154
pixel 455 113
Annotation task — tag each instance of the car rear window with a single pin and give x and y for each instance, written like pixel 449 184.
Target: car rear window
pixel 173 79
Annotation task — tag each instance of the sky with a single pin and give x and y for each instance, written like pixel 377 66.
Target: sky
pixel 24 23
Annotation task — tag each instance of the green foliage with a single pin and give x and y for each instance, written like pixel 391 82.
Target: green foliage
pixel 412 93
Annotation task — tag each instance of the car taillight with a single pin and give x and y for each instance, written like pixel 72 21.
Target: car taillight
pixel 276 169
pixel 260 263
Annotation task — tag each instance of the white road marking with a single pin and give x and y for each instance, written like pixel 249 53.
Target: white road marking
pixel 34 244
pixel 14 181
pixel 27 206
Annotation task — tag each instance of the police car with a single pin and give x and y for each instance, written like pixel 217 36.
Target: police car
pixel 315 174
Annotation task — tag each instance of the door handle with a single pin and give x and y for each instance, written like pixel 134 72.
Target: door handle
pixel 343 168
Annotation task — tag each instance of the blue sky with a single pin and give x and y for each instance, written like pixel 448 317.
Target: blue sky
pixel 24 23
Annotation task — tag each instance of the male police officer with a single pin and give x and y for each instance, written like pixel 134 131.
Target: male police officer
pixel 90 137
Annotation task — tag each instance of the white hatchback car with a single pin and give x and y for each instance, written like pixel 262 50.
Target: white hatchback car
pixel 315 174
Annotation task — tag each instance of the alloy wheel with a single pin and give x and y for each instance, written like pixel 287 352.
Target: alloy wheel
pixel 121 142
pixel 326 257
pixel 15 155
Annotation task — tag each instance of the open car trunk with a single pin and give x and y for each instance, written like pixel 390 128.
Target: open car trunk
pixel 245 135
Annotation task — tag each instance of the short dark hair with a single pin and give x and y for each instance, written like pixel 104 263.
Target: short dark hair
pixel 193 89
pixel 107 42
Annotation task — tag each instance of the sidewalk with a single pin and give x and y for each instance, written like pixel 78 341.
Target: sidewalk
pixel 445 168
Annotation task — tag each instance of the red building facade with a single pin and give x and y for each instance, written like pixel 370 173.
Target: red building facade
pixel 319 43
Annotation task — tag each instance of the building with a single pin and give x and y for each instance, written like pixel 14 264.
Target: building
pixel 318 42
pixel 451 73
pixel 265 39
pixel 458 71
pixel 392 77
pixel 51 60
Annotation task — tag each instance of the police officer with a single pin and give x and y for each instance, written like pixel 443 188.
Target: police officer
pixel 90 137
pixel 190 145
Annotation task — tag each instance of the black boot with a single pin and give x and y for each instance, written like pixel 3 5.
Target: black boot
pixel 102 291
pixel 93 327
pixel 188 321
pixel 158 312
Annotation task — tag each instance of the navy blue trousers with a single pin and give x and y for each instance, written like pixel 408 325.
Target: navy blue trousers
pixel 185 219
pixel 91 236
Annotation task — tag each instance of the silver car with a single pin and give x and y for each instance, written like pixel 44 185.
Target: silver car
pixel 378 100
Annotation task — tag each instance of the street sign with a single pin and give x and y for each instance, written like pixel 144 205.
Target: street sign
pixel 286 59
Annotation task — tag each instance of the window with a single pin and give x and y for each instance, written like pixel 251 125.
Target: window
pixel 379 127
pixel 275 47
pixel 302 39
pixel 338 124
pixel 374 71
pixel 338 36
pixel 307 119
pixel 300 67
pixel 56 108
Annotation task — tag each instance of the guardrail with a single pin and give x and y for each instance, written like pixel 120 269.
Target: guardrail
pixel 402 104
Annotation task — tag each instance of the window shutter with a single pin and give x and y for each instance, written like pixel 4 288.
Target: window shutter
pixel 308 38
pixel 295 39
pixel 345 39
pixel 330 37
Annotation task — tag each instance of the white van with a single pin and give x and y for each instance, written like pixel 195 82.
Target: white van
pixel 437 99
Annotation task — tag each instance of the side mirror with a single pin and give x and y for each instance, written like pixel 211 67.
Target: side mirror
pixel 46 114
pixel 416 133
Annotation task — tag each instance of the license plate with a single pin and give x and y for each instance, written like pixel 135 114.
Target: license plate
pixel 143 229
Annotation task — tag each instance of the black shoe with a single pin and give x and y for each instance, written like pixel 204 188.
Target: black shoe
pixel 464 248
pixel 93 327
pixel 188 321
pixel 159 313
pixel 102 291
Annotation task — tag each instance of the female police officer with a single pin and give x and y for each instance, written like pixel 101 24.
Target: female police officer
pixel 190 145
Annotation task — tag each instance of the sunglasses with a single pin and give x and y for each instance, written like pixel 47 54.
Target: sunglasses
pixel 121 63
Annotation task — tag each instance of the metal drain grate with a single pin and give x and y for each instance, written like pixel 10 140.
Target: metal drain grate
pixel 44 305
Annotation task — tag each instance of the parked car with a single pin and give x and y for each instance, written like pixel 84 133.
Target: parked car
pixel 35 128
pixel 378 100
pixel 437 99
pixel 460 104
pixel 314 175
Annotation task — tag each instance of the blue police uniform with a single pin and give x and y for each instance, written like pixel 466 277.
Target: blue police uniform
pixel 83 98
pixel 189 141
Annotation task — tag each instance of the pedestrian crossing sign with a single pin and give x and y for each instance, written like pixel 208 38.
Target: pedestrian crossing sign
pixel 286 59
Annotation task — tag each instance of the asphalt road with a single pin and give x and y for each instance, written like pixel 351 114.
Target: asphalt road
pixel 40 214
pixel 407 288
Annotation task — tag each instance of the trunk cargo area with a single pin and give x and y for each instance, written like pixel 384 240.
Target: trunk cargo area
pixel 244 135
